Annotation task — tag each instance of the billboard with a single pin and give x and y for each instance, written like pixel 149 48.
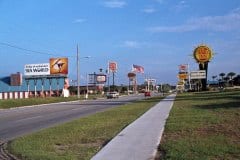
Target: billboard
pixel 58 65
pixel 97 78
pixel 112 66
pixel 201 74
pixel 37 69
pixel 101 78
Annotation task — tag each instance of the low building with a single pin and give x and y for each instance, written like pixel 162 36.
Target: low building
pixel 17 86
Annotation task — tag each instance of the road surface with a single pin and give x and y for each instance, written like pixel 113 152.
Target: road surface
pixel 20 121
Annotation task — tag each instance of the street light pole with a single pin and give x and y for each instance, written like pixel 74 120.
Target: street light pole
pixel 78 76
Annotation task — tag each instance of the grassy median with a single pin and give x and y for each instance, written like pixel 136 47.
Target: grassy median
pixel 79 139
pixel 11 103
pixel 203 126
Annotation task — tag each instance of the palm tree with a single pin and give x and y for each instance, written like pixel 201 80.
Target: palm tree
pixel 230 75
pixel 222 75
pixel 213 77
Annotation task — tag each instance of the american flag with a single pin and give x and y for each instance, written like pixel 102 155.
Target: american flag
pixel 137 68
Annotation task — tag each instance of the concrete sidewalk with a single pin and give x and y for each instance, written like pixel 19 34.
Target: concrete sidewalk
pixel 139 140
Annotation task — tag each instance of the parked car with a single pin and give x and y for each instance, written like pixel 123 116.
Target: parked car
pixel 147 94
pixel 112 95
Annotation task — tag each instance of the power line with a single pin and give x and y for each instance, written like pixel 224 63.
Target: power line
pixel 28 50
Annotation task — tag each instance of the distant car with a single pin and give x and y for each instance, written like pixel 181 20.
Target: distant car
pixel 147 94
pixel 112 95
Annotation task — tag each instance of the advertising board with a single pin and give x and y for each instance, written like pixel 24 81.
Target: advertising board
pixel 58 65
pixel 182 76
pixel 37 69
pixel 101 78
pixel 201 74
pixel 112 66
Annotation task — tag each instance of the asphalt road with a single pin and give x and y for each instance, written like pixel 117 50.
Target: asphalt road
pixel 20 121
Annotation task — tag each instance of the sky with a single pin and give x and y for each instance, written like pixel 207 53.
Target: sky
pixel 156 34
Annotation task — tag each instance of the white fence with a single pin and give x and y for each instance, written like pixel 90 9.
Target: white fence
pixel 14 95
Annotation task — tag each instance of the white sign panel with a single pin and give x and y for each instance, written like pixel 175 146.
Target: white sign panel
pixel 101 78
pixel 37 69
pixel 198 74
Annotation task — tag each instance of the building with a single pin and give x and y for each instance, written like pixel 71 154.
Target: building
pixel 17 86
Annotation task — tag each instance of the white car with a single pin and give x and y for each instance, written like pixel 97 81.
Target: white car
pixel 112 95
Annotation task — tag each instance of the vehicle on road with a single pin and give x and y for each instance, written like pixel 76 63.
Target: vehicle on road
pixel 112 95
pixel 147 94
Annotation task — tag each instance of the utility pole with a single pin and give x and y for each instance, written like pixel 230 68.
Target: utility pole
pixel 78 77
pixel 189 77
pixel 113 81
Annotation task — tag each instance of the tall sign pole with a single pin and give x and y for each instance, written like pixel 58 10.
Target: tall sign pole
pixel 78 76
pixel 203 54
pixel 113 68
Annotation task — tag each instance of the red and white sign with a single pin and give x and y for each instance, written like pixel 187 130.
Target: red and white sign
pixel 112 66
pixel 183 68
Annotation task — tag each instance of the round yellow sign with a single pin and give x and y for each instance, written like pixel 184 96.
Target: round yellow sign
pixel 202 54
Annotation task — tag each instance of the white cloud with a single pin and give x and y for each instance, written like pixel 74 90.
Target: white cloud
pixel 226 22
pixel 115 4
pixel 80 20
pixel 180 6
pixel 149 10
pixel 131 44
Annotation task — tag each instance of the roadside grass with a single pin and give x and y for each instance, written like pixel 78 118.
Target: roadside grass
pixel 203 126
pixel 80 139
pixel 11 103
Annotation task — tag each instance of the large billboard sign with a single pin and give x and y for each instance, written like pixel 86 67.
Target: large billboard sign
pixel 37 69
pixel 58 65
pixel 202 54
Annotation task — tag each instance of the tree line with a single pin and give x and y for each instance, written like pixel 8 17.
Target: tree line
pixel 230 78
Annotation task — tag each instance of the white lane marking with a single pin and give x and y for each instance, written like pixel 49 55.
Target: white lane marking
pixel 29 118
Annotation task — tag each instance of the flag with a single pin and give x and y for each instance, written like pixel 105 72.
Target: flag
pixel 138 69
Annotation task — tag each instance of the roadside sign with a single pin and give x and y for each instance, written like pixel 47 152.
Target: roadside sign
pixel 182 76
pixel 201 74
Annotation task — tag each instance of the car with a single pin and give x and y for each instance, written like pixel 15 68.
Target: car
pixel 112 95
pixel 147 94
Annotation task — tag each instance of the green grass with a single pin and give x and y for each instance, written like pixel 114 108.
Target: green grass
pixel 79 139
pixel 11 103
pixel 203 126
